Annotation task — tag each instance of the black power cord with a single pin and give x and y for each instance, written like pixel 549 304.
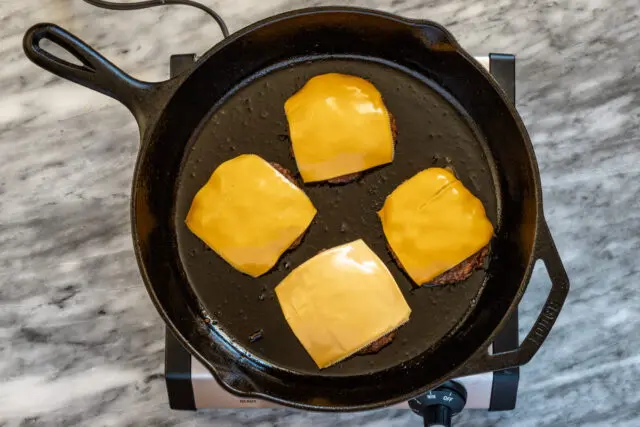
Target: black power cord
pixel 155 3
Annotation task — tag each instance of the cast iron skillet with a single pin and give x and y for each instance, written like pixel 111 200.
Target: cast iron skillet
pixel 449 112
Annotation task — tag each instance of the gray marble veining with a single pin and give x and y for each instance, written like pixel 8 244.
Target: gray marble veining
pixel 78 333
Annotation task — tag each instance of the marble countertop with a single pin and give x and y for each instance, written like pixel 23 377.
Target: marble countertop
pixel 79 334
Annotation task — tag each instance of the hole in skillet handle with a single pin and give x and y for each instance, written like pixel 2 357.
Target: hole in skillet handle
pixel 546 251
pixel 93 70
pixel 58 51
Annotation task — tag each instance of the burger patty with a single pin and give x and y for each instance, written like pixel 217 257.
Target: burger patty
pixel 463 270
pixel 345 179
pixel 457 273
pixel 377 345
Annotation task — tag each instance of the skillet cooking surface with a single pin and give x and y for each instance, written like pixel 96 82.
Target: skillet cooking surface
pixel 432 131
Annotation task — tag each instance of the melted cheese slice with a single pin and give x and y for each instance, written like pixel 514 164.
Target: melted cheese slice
pixel 338 125
pixel 249 213
pixel 433 223
pixel 340 301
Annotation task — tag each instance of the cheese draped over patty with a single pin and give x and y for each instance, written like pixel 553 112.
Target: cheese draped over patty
pixel 340 301
pixel 249 213
pixel 432 223
pixel 338 125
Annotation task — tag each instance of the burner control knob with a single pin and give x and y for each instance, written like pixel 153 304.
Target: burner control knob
pixel 438 406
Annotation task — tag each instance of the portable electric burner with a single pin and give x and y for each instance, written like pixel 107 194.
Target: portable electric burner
pixel 191 386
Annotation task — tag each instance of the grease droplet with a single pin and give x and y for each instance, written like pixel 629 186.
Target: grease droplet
pixel 257 335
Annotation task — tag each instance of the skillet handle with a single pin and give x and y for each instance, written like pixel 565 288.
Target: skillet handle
pixel 95 71
pixel 547 252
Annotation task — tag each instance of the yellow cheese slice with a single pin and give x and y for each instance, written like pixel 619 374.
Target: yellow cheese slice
pixel 433 223
pixel 338 125
pixel 340 301
pixel 249 213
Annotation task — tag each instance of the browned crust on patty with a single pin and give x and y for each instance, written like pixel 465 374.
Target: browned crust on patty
pixel 378 344
pixel 287 173
pixel 463 270
pixel 455 274
pixel 297 242
pixel 394 128
pixel 345 179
